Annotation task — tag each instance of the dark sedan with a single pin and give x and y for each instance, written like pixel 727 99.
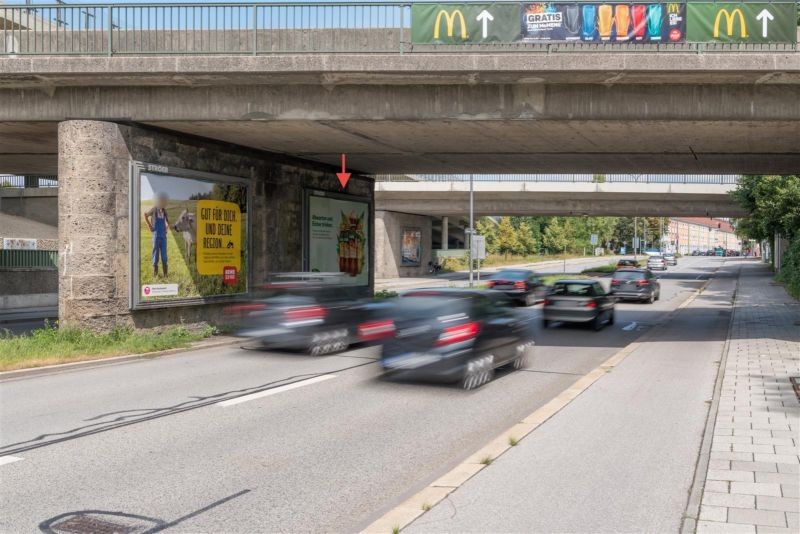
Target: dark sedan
pixel 578 301
pixel 625 262
pixel 522 285
pixel 454 335
pixel 636 284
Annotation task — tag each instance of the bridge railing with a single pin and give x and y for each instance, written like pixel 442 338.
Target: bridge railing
pixel 713 179
pixel 27 182
pixel 267 28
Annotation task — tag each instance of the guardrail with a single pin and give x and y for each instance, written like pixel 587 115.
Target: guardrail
pixel 15 181
pixel 566 178
pixel 261 28
pixel 24 259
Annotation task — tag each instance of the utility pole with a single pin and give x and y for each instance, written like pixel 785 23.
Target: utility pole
pixel 661 234
pixel 471 226
pixel 635 237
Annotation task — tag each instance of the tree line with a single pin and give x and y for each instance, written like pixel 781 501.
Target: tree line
pixel 556 235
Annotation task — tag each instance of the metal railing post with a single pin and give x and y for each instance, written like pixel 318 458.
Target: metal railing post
pixel 255 29
pixel 110 30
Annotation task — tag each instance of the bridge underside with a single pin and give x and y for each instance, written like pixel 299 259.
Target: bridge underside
pixel 564 199
pixel 437 113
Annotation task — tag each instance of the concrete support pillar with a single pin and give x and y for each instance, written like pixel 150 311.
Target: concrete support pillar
pixel 445 228
pixel 93 162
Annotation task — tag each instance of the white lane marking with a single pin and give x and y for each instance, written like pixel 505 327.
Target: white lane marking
pixel 274 391
pixel 630 326
pixel 9 459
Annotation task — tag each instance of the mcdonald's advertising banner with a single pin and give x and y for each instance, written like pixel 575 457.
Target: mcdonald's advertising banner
pixel 742 22
pixel 464 23
pixel 604 22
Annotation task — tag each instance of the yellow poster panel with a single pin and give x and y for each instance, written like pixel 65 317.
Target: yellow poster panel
pixel 219 236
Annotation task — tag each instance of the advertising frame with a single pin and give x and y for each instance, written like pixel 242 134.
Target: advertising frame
pixel 418 231
pixel 309 192
pixel 136 169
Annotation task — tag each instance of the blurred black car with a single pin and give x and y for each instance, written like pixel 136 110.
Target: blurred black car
pixel 635 284
pixel 454 335
pixel 522 285
pixel 578 301
pixel 313 314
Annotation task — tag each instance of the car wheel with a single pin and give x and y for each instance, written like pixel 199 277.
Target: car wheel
pixel 658 295
pixel 611 318
pixel 652 298
pixel 597 323
pixel 530 299
pixel 545 323
pixel 520 361
pixel 479 371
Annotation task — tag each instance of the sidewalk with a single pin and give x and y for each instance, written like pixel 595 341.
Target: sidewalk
pixel 621 457
pixel 753 473
pixel 454 278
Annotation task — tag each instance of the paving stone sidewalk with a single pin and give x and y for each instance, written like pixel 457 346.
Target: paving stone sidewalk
pixel 754 468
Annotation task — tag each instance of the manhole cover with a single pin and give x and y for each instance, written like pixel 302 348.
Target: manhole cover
pixel 99 523
pixel 795 380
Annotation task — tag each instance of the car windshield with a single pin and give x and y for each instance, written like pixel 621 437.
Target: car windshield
pixel 510 275
pixel 429 304
pixel 656 258
pixel 628 275
pixel 572 289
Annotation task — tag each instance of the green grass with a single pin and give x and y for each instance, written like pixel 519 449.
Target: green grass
pixel 550 278
pixel 487 460
pixel 512 441
pixel 51 345
pixel 385 294
pixel 608 268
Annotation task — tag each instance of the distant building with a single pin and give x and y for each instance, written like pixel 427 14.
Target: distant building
pixel 687 234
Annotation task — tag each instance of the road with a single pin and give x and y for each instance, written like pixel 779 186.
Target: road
pixel 182 442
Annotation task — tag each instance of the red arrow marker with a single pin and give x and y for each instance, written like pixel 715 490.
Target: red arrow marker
pixel 343 176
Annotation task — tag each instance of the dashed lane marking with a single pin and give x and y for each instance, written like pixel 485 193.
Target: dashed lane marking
pixel 275 391
pixel 9 459
pixel 631 326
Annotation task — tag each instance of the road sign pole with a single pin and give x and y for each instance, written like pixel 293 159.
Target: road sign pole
pixel 471 227
pixel 635 237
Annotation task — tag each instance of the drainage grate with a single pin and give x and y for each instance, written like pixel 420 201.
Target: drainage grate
pixel 795 380
pixel 101 523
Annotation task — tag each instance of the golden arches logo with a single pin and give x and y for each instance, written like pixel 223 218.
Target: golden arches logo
pixel 673 8
pixel 730 19
pixel 450 19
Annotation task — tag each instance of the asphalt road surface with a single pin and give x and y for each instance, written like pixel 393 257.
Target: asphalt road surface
pixel 240 440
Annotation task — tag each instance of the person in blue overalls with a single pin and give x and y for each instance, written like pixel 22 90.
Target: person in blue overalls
pixel 158 222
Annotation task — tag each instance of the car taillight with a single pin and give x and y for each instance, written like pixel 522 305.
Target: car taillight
pixel 548 302
pixel 305 313
pixel 591 305
pixel 519 285
pixel 457 334
pixel 643 282
pixel 490 283
pixel 616 281
pixel 376 330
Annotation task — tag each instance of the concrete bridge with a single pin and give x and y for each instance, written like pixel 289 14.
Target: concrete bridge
pixel 697 197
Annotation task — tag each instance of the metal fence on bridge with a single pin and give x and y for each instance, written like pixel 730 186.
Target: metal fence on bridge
pixel 16 181
pixel 713 179
pixel 272 28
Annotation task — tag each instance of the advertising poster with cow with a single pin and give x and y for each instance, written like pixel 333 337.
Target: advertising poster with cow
pixel 192 238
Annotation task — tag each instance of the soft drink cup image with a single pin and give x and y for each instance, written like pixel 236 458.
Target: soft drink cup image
pixel 654 22
pixel 639 21
pixel 572 21
pixel 622 21
pixel 589 15
pixel 605 21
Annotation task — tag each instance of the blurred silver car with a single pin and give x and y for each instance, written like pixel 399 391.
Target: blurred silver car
pixel 657 263
pixel 670 258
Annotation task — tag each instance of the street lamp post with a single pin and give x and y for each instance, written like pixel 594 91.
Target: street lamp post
pixel 471 227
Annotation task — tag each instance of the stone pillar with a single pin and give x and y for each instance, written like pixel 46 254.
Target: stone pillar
pixel 445 229
pixel 93 163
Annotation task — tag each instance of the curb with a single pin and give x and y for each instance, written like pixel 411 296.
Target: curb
pixel 100 362
pixel 411 509
pixel 692 511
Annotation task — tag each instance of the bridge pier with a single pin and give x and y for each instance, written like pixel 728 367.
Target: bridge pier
pixel 98 255
pixel 390 259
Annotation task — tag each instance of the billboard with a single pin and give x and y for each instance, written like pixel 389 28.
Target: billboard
pixel 337 236
pixel 603 22
pixel 596 22
pixel 411 247
pixel 742 22
pixel 190 236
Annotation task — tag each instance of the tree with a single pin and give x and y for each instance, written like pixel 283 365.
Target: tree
pixel 556 236
pixel 599 178
pixel 527 242
pixel 488 228
pixel 773 203
pixel 507 239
